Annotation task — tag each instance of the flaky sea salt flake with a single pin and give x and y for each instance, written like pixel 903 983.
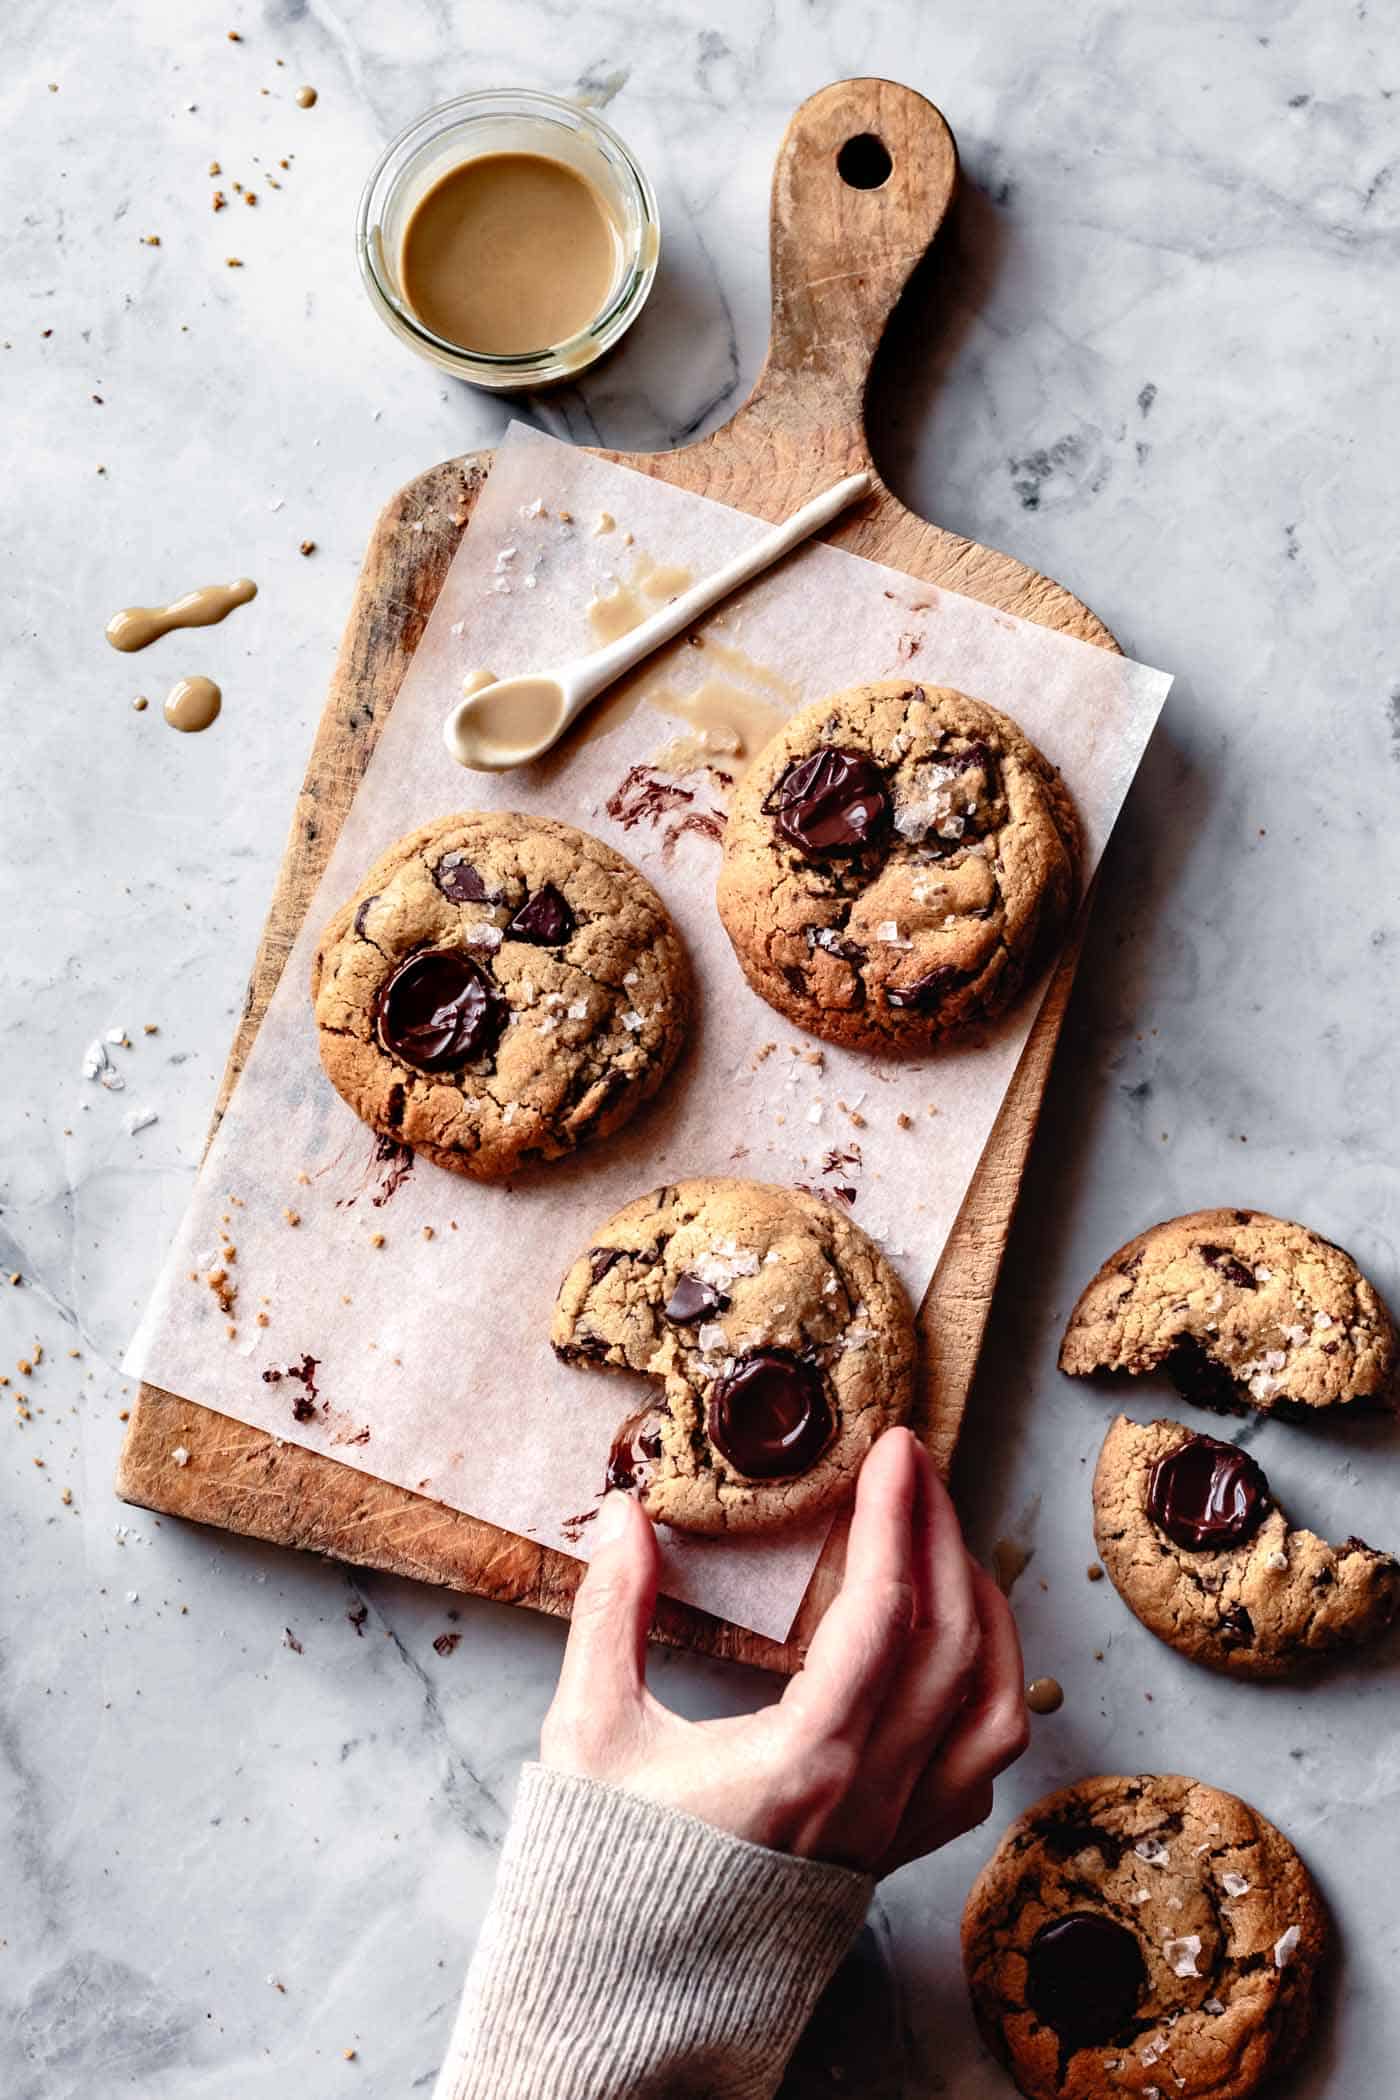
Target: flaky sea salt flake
pixel 1180 1954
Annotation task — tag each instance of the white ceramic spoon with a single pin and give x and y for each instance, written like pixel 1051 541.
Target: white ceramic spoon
pixel 517 719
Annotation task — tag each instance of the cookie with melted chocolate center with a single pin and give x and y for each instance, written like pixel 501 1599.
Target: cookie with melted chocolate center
pixel 1195 1544
pixel 1143 1935
pixel 500 988
pixel 898 863
pixel 780 1339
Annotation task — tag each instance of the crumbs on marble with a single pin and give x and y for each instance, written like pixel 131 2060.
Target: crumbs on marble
pixel 447 1643
pixel 289 1640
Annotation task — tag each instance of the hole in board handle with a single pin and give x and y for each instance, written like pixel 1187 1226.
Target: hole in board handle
pixel 864 163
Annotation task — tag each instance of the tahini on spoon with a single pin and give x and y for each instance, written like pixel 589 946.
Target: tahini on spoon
pixel 517 719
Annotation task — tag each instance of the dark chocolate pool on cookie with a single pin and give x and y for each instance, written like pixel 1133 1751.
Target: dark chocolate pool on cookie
pixel 635 1449
pixel 1084 1977
pixel 438 1010
pixel 770 1416
pixel 1207 1493
pixel 833 802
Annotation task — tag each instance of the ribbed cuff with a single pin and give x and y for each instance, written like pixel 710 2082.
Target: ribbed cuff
pixel 633 1952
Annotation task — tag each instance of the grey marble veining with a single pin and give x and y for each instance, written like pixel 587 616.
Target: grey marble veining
pixel 1154 358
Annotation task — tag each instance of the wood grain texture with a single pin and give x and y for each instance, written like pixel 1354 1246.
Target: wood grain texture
pixel 841 257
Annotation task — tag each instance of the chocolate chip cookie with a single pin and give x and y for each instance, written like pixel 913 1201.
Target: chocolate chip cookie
pixel 1240 1310
pixel 499 988
pixel 1196 1545
pixel 897 863
pixel 780 1337
pixel 1147 1936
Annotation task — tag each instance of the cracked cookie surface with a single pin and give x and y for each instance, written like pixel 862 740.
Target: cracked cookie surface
pixel 500 988
pixel 1195 1544
pixel 781 1339
pixel 897 863
pixel 1148 1936
pixel 1241 1310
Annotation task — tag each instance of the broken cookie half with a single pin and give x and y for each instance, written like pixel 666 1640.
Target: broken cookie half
pixel 1241 1310
pixel 1195 1544
pixel 779 1337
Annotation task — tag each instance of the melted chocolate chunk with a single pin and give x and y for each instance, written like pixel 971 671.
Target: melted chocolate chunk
pixel 362 912
pixel 927 993
pixel 833 802
pixel 544 919
pixel 440 1009
pixel 1236 1627
pixel 1224 1263
pixel 1084 1978
pixel 636 1448
pixel 1197 1377
pixel 693 1299
pixel 459 881
pixel 1207 1494
pixel 601 1259
pixel 770 1416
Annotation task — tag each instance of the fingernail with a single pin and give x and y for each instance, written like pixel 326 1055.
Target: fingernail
pixel 612 1519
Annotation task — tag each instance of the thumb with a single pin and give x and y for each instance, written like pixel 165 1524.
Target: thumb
pixel 604 1664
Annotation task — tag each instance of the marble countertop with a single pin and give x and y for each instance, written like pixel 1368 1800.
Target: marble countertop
pixel 239 1834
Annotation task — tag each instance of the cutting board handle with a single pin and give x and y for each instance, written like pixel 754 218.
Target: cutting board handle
pixel 864 177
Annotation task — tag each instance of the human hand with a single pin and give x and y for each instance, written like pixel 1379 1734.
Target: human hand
pixel 884 1745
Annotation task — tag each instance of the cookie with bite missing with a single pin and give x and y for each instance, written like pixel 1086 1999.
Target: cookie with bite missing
pixel 1195 1544
pixel 898 862
pixel 1147 1936
pixel 1240 1310
pixel 500 988
pixel 779 1337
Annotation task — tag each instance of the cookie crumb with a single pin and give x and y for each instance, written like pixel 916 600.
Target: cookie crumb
pixel 428 1232
pixel 307 547
pixel 293 1217
pixel 1094 1571
pixel 376 1239
pixel 904 1122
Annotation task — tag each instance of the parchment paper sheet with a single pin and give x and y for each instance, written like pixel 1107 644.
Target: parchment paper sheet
pixel 432 1352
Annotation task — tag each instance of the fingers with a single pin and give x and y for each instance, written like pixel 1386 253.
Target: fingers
pixel 937 1670
pixel 857 1648
pixel 604 1667
pixel 954 1792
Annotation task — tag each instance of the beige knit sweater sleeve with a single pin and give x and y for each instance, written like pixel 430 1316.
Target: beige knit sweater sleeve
pixel 635 1953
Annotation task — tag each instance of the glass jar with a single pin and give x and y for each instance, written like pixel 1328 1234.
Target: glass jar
pixel 509 121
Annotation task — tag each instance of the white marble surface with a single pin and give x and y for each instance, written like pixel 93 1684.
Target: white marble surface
pixel 1156 360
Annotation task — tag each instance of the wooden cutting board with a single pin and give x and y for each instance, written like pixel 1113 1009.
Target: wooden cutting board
pixel 864 177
